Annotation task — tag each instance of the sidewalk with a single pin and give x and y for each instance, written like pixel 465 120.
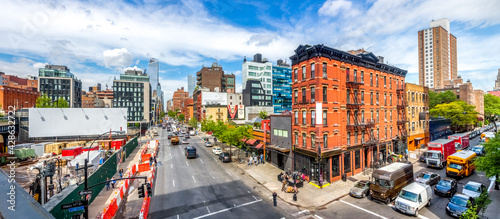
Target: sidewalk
pixel 493 211
pixel 105 196
pixel 309 196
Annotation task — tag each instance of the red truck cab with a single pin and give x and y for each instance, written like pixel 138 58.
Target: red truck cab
pixel 438 152
pixel 461 140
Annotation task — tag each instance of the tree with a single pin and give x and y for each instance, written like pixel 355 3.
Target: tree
pixel 459 112
pixel 490 162
pixel 491 107
pixel 61 103
pixel 263 115
pixel 162 114
pixel 171 114
pixel 44 101
pixel 440 98
pixel 233 135
pixel 483 201
pixel 193 122
pixel 471 213
pixel 181 117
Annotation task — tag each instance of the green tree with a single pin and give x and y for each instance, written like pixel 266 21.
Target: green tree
pixel 440 98
pixel 193 122
pixel 171 114
pixel 61 103
pixel 232 136
pixel 219 129
pixel 263 115
pixel 44 101
pixel 490 162
pixel 162 114
pixel 181 117
pixel 471 213
pixel 459 112
pixel 491 107
pixel 483 201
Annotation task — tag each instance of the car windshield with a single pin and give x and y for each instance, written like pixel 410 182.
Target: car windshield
pixel 459 201
pixel 408 195
pixel 471 187
pixel 445 183
pixel 476 149
pixel 382 183
pixel 360 185
pixel 433 155
pixel 425 176
pixel 455 166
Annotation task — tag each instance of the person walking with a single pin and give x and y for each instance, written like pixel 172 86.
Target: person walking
pixel 120 172
pixel 150 161
pixel 256 160
pixel 107 184
pixel 113 182
pixel 285 180
pixel 275 196
pixel 262 158
pixel 251 160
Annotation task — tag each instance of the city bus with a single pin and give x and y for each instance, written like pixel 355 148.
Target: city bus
pixel 461 164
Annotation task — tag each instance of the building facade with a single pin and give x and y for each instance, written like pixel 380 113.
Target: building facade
pixel 88 102
pixel 279 151
pixel 417 113
pixel 217 112
pixel 154 73
pixel 347 110
pixel 465 92
pixel 255 95
pixel 56 81
pixel 17 97
pixel 191 84
pixel 214 79
pixel 282 89
pixel 179 97
pixel 133 92
pixel 258 69
pixel 29 83
pixel 497 81
pixel 437 54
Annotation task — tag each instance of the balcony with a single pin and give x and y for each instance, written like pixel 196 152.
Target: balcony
pixel 198 83
pixel 198 78
pixel 198 73
pixel 400 88
pixel 401 122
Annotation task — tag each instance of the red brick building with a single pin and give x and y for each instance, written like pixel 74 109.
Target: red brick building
pixel 17 97
pixel 29 83
pixel 179 97
pixel 362 110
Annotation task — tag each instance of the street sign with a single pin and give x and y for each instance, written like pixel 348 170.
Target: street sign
pixel 78 203
pixel 76 209
pixel 85 192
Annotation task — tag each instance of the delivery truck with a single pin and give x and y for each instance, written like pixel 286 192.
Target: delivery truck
pixel 461 140
pixel 438 152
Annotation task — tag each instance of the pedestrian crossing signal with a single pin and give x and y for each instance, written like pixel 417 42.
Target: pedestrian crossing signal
pixel 140 190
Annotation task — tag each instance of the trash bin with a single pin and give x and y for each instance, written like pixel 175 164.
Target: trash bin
pixel 344 177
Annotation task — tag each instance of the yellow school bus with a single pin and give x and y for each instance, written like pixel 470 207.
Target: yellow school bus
pixel 486 136
pixel 461 163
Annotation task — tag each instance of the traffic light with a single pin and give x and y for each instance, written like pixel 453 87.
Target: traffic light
pixel 150 192
pixel 140 190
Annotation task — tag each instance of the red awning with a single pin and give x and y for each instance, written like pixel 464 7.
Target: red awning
pixel 259 146
pixel 251 141
pixel 243 140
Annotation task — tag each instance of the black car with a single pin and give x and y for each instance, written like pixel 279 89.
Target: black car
pixel 225 157
pixel 190 152
pixel 446 187
pixel 187 136
pixel 458 204
pixel 422 157
pixel 169 136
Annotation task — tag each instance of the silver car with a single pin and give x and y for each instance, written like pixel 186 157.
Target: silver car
pixel 360 189
pixel 428 178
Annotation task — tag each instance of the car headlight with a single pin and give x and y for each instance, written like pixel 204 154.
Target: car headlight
pixel 448 192
pixel 447 208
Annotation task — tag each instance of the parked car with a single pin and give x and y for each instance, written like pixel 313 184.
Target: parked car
pixel 225 157
pixel 423 156
pixel 428 178
pixel 446 187
pixel 190 152
pixel 479 150
pixel 473 189
pixel 458 204
pixel 169 136
pixel 187 136
pixel 185 141
pixel 216 150
pixel 208 144
pixel 360 189
pixel 413 197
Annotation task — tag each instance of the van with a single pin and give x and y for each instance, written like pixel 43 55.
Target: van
pixel 461 164
pixel 388 181
pixel 190 152
pixel 413 197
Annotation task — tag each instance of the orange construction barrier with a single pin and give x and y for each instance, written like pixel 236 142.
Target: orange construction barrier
pixel 145 157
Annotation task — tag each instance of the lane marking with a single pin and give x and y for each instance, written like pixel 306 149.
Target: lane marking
pixel 300 212
pixel 213 177
pixel 318 217
pixel 201 160
pixel 360 208
pixel 187 163
pixel 177 216
pixel 422 217
pixel 255 198
pixel 208 210
pixel 171 166
pixel 228 173
pixel 248 191
pixel 173 182
pixel 194 179
pixel 227 209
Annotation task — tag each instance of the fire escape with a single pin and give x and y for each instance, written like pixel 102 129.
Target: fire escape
pixel 400 143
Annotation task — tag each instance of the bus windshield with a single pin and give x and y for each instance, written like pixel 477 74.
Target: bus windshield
pixel 455 166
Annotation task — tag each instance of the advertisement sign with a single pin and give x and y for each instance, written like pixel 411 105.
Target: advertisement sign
pixel 235 112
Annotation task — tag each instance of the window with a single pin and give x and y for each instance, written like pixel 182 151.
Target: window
pixel 303 95
pixel 304 144
pixel 325 74
pixel 371 115
pixel 385 81
pixel 313 140
pixel 390 99
pixel 295 74
pixel 348 139
pixel 313 94
pixel 312 70
pixel 371 98
pixel 296 117
pixel 390 83
pixel 313 118
pixel 362 97
pixel 377 98
pixel 390 115
pixel 348 96
pixel 347 162
pixel 362 77
pixel 348 117
pixel 376 80
pixel 378 134
pixel 391 132
pixel 325 99
pixel 378 114
pixel 355 75
pixel 295 96
pixel 385 99
pixel 325 120
pixel 335 166
pixel 296 138
pixel 357 159
pixel 412 112
pixel 362 136
pixel 303 73
pixel 304 122
pixel 355 137
pixel 412 97
pixel 362 116
pixel 371 79
pixel 347 74
pixel 386 132
pixel 385 112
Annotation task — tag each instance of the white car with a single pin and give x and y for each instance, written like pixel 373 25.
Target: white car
pixel 216 150
pixel 413 197
pixel 473 189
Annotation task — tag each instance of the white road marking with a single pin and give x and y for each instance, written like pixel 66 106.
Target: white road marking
pixel 177 216
pixel 173 182
pixel 248 191
pixel 300 212
pixel 194 179
pixel 213 177
pixel 228 173
pixel 360 208
pixel 201 160
pixel 208 210
pixel 318 217
pixel 187 163
pixel 171 166
pixel 228 209
pixel 422 217
pixel 255 198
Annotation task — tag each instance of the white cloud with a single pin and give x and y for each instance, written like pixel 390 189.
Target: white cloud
pixel 117 58
pixel 21 67
pixel 239 88
pixel 335 8
pixel 132 68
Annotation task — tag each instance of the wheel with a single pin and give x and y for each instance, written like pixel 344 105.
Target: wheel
pixel 363 195
pixel 416 212
pixel 369 197
pixel 388 200
pixel 429 203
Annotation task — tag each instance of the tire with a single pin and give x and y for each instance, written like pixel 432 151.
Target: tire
pixel 388 200
pixel 429 203
pixel 369 197
pixel 416 212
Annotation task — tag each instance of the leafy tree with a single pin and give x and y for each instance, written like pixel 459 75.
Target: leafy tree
pixel 44 101
pixel 233 135
pixel 219 129
pixel 471 213
pixel 162 114
pixel 263 115
pixel 480 124
pixel 171 114
pixel 491 105
pixel 490 162
pixel 483 201
pixel 433 99
pixel 440 98
pixel 193 122
pixel 61 103
pixel 459 112
pixel 181 117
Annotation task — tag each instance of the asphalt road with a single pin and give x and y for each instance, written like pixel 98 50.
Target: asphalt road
pixel 202 187
pixel 349 207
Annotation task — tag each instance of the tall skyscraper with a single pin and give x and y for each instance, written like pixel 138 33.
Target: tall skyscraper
pixel 258 69
pixel 154 73
pixel 282 89
pixel 191 84
pixel 497 81
pixel 437 54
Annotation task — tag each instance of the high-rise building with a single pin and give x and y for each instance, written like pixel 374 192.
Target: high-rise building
pixel 258 69
pixel 437 54
pixel 179 97
pixel 154 73
pixel 254 94
pixel 133 92
pixel 465 92
pixel 214 79
pixel 58 82
pixel 497 81
pixel 282 89
pixel 191 84
pixel 348 110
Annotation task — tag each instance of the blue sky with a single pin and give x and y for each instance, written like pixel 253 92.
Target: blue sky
pixel 98 40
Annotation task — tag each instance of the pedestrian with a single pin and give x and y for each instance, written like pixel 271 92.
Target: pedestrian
pixel 251 160
pixel 261 158
pixel 285 180
pixel 120 172
pixel 275 195
pixel 107 183
pixel 406 157
pixel 256 160
pixel 150 161
pixel 113 181
pixel 155 160
pixel 248 161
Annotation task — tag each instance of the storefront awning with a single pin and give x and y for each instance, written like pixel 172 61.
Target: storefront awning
pixel 278 148
pixel 243 140
pixel 251 141
pixel 259 146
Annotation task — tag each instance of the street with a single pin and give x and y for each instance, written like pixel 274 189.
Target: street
pixel 349 207
pixel 203 187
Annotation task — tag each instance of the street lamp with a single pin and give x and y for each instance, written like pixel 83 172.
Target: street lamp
pixel 86 166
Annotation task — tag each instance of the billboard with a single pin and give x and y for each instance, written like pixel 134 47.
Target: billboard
pixel 54 122
pixel 213 98
pixel 235 111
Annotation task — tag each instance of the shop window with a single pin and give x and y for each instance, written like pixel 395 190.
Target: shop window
pixel 335 166
pixel 357 159
pixel 347 162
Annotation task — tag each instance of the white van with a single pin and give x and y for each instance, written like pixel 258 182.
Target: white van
pixel 413 197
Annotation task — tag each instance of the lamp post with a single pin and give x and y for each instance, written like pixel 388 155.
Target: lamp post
pixel 86 166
